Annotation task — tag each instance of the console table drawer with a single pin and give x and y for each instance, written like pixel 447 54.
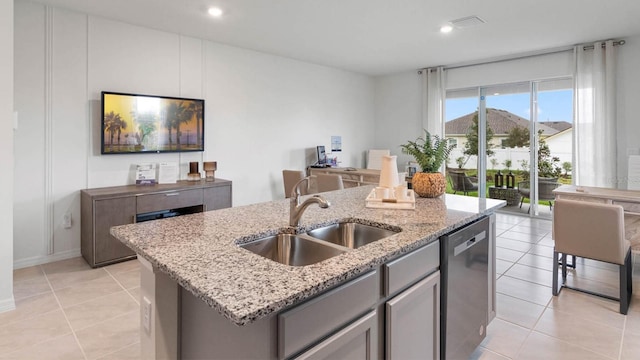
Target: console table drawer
pixel 169 200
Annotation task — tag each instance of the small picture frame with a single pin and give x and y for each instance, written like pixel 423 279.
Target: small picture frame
pixel 146 174
pixel 168 173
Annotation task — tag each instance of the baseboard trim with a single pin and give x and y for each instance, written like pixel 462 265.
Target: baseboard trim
pixel 45 259
pixel 7 304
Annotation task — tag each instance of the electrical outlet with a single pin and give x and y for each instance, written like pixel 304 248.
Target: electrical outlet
pixel 146 314
pixel 66 220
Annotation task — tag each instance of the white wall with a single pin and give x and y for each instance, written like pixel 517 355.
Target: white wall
pixel 6 156
pixel 263 114
pixel 398 112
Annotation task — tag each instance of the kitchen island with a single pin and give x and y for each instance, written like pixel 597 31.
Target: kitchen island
pixel 195 261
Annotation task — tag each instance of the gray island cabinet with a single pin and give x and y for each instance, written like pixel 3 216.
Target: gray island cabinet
pixel 203 296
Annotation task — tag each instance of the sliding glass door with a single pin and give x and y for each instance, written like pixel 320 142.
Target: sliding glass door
pixel 523 133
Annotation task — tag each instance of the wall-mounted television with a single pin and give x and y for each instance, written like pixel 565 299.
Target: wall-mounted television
pixel 134 123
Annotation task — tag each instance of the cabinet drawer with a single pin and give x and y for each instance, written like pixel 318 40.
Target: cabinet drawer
pixel 169 200
pixel 309 322
pixel 357 341
pixel 411 267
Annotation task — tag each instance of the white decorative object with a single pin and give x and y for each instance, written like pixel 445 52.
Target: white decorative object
pixel 389 172
pixel 382 192
pixel 168 173
pixel 400 192
pixel 409 203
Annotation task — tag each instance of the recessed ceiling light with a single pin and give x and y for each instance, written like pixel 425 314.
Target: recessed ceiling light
pixel 446 29
pixel 215 12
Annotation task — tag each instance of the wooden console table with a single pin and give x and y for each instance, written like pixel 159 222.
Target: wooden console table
pixel 628 199
pixel 103 208
pixel 351 178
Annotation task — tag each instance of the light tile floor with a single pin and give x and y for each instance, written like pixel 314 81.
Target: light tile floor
pixel 532 324
pixel 66 310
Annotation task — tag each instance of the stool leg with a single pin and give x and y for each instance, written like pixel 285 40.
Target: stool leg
pixel 555 289
pixel 624 285
pixel 564 268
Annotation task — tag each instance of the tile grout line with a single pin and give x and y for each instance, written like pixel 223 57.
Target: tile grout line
pixel 570 343
pixel 624 330
pixel 547 307
pixel 64 313
pixel 137 301
pixel 117 350
pixel 532 328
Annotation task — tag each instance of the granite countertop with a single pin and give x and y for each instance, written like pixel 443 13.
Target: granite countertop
pixel 200 251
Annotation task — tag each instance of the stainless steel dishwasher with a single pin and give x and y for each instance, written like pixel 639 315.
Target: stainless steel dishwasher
pixel 464 270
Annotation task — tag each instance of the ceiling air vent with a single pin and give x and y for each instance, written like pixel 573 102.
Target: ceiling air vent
pixel 466 22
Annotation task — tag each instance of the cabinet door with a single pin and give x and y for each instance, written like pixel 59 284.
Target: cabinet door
pixel 357 341
pixel 218 197
pixel 108 213
pixel 413 321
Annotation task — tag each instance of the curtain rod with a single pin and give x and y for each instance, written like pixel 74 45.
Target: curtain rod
pixel 521 56
pixel 615 43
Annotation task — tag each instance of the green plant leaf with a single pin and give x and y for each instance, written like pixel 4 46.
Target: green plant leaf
pixel 429 152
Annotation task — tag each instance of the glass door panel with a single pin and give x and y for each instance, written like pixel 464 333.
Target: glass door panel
pixel 508 114
pixel 554 99
pixel 529 152
pixel 461 129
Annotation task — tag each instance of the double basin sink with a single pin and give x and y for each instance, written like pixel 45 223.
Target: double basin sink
pixel 318 244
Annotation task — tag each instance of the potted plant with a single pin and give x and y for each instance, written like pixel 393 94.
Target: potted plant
pixel 430 153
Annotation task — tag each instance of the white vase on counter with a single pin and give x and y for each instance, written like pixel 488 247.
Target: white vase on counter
pixel 389 172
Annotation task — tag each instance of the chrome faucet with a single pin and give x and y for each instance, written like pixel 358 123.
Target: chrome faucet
pixel 297 209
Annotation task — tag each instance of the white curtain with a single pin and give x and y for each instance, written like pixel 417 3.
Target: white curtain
pixel 433 97
pixel 595 116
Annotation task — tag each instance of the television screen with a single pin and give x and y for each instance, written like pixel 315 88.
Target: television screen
pixel 151 124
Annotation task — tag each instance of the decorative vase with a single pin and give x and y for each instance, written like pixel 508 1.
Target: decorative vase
pixel 511 180
pixel 498 179
pixel 389 172
pixel 428 184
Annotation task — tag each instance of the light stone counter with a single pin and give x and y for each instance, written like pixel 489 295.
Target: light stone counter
pixel 200 251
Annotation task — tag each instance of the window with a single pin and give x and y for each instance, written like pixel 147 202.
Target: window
pixel 453 142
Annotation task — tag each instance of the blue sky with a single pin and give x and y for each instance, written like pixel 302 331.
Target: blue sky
pixel 552 105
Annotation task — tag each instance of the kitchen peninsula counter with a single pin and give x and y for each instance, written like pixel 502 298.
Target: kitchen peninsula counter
pixel 201 254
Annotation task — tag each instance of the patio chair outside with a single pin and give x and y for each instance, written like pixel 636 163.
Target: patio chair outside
pixel 545 190
pixel 461 182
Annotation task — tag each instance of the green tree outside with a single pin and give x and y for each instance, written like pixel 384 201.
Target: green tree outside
pixel 471 147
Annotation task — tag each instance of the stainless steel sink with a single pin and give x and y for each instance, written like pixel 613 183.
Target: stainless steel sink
pixel 350 235
pixel 294 250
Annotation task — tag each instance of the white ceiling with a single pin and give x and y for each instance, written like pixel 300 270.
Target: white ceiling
pixel 379 36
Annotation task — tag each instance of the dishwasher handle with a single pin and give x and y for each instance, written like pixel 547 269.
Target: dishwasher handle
pixel 469 243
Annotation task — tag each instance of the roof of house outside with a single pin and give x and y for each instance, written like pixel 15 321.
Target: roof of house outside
pixel 501 122
pixel 558 125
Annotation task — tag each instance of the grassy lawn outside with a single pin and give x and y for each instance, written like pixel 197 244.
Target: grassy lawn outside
pixel 490 181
